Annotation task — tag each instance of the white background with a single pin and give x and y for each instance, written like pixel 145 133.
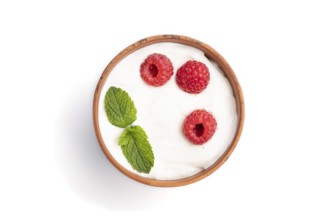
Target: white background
pixel 52 54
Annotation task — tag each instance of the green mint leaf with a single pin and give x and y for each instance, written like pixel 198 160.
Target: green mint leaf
pixel 137 149
pixel 119 107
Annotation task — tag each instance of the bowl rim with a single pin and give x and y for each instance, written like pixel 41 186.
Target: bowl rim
pixel 211 54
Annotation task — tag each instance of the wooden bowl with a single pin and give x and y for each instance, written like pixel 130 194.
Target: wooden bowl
pixel 211 54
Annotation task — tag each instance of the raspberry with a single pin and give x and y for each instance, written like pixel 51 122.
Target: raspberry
pixel 156 69
pixel 193 77
pixel 199 126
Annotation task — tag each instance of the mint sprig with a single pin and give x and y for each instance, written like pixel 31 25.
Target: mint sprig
pixel 119 107
pixel 137 149
pixel 133 141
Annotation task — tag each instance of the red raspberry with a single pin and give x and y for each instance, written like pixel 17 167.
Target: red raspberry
pixel 193 77
pixel 156 69
pixel 199 126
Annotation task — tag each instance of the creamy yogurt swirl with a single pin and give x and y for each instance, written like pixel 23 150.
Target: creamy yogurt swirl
pixel 161 112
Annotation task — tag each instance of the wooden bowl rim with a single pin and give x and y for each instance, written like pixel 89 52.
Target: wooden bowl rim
pixel 211 54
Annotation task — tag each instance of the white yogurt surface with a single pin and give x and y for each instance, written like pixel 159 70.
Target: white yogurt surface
pixel 161 112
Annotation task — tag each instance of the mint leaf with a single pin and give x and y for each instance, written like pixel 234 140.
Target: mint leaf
pixel 137 149
pixel 133 141
pixel 119 107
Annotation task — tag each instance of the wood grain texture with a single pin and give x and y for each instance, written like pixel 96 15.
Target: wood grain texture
pixel 211 54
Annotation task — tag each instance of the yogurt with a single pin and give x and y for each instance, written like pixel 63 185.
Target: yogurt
pixel 161 112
